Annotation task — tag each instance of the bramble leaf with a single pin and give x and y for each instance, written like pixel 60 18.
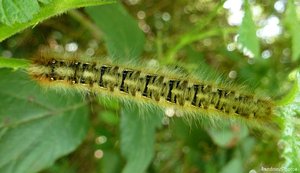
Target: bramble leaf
pixel 20 20
pixel 36 127
pixel 19 11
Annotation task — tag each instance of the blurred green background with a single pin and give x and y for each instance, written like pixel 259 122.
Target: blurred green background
pixel 253 43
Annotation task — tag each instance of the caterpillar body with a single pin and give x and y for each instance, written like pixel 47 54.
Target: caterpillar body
pixel 153 86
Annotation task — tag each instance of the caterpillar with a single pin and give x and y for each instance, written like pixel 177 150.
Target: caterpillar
pixel 154 86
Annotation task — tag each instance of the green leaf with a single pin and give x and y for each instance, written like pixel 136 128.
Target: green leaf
pixel 247 39
pixel 290 96
pixel 227 136
pixel 46 11
pixel 36 126
pixel 14 63
pixel 18 11
pixel 109 117
pixel 293 25
pixel 234 165
pixel 111 163
pixel 124 39
pixel 137 137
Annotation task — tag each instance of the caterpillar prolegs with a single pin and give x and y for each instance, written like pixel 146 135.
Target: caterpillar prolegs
pixel 153 86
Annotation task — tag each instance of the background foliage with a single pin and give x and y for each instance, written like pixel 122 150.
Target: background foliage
pixel 255 43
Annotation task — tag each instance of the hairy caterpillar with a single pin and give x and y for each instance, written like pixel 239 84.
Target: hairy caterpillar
pixel 184 93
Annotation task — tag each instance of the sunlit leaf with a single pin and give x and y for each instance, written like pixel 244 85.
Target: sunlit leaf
pixel 247 39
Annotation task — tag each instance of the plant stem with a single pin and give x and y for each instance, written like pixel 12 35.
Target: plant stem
pixel 195 34
pixel 84 21
pixel 192 37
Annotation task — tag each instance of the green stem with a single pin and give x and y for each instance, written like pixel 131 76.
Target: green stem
pixel 192 37
pixel 14 63
pixel 194 34
pixel 290 96
pixel 207 20
pixel 87 23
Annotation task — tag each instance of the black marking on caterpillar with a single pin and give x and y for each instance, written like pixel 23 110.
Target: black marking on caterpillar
pixel 161 89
